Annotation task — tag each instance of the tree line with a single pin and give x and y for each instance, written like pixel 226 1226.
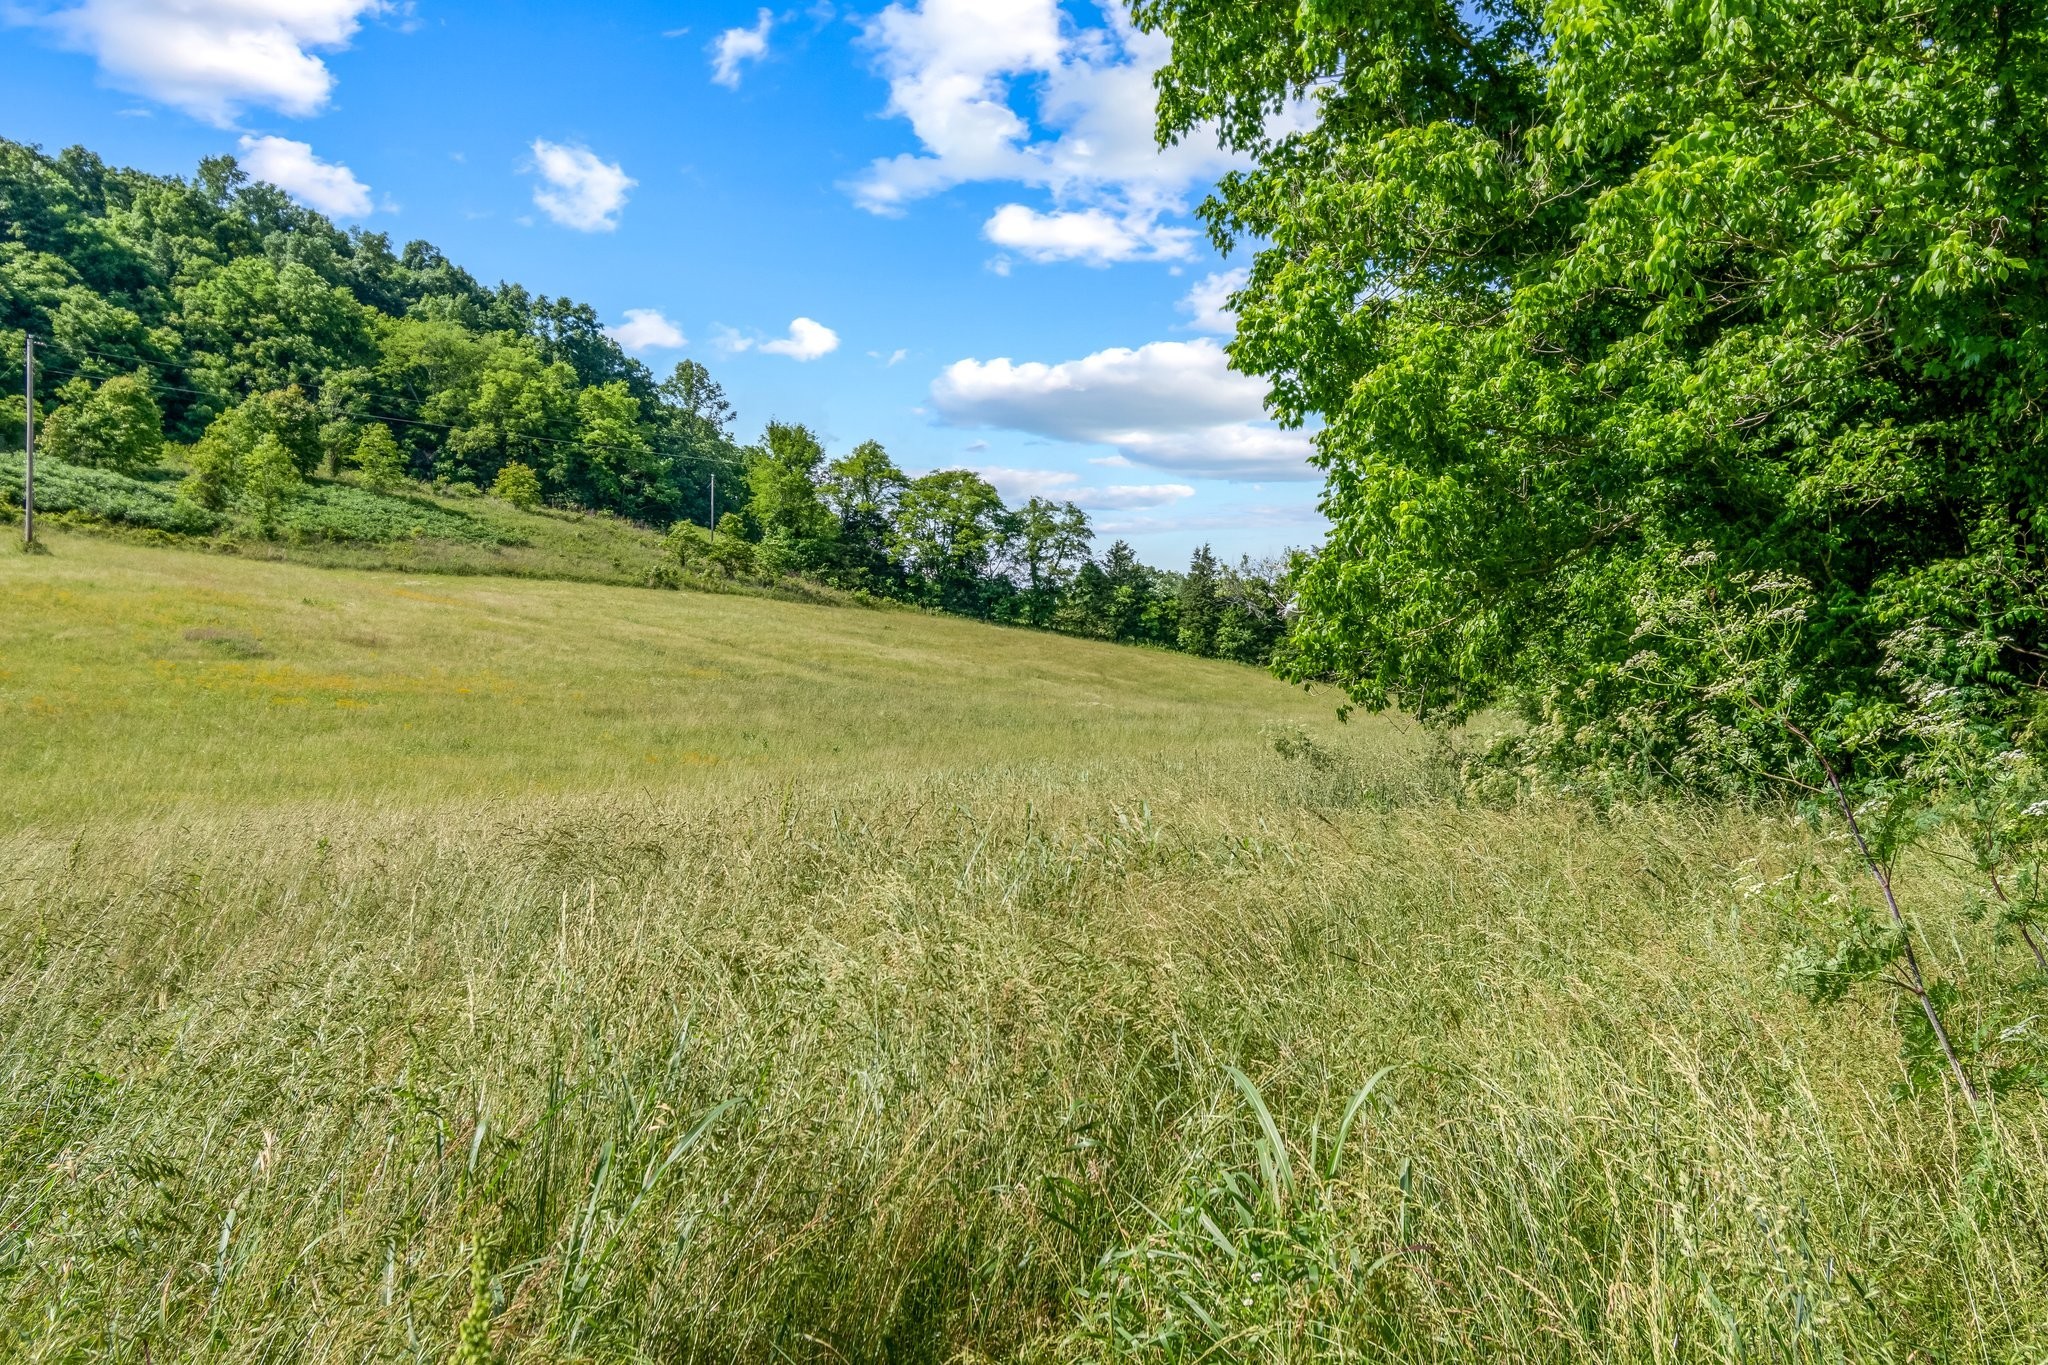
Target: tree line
pixel 258 345
pixel 947 541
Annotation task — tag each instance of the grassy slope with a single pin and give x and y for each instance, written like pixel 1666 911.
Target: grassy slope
pixel 338 524
pixel 493 539
pixel 767 982
pixel 268 684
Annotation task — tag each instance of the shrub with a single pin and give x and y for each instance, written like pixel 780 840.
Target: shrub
pixel 270 479
pixel 338 441
pixel 117 426
pixel 220 461
pixel 295 422
pixel 378 459
pixel 519 485
pixel 682 544
pixel 730 552
pixel 216 468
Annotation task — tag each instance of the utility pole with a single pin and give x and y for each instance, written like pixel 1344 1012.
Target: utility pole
pixel 714 509
pixel 28 443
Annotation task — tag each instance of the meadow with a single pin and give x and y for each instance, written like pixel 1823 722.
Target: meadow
pixel 402 968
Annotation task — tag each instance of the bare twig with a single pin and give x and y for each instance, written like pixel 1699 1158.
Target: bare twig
pixel 1884 885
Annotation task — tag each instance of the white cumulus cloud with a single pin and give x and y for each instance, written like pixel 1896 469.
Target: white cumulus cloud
pixel 327 186
pixel 578 189
pixel 807 340
pixel 212 58
pixel 645 329
pixel 949 64
pixel 1173 405
pixel 1208 303
pixel 1094 236
pixel 1021 485
pixel 1010 91
pixel 737 46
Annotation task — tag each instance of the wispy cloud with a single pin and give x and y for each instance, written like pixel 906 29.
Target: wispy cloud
pixel 735 47
pixel 1208 303
pixel 807 340
pixel 1301 519
pixel 1058 485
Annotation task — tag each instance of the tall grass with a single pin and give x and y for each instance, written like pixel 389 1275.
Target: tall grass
pixel 1013 1050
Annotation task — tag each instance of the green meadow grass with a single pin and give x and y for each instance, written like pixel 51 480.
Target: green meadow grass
pixel 734 979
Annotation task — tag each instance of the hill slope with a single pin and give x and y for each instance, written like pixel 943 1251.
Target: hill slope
pixel 140 677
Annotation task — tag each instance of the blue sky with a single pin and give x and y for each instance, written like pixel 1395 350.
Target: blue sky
pixel 941 224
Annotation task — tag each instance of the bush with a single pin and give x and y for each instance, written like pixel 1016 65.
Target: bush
pixel 104 495
pixel 730 553
pixel 338 441
pixel 287 415
pixel 117 426
pixel 339 513
pixel 215 470
pixel 270 479
pixel 682 544
pixel 378 459
pixel 221 459
pixel 519 485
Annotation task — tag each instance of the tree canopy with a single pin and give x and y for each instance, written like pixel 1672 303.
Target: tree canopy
pixel 215 291
pixel 1632 321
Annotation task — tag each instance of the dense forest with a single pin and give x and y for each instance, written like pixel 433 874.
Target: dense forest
pixel 215 327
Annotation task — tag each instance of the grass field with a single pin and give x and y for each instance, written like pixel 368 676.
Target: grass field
pixel 668 976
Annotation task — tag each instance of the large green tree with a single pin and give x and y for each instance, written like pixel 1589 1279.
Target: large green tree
pixel 693 420
pixel 1050 544
pixel 950 529
pixel 520 407
pixel 1609 306
pixel 797 531
pixel 861 488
